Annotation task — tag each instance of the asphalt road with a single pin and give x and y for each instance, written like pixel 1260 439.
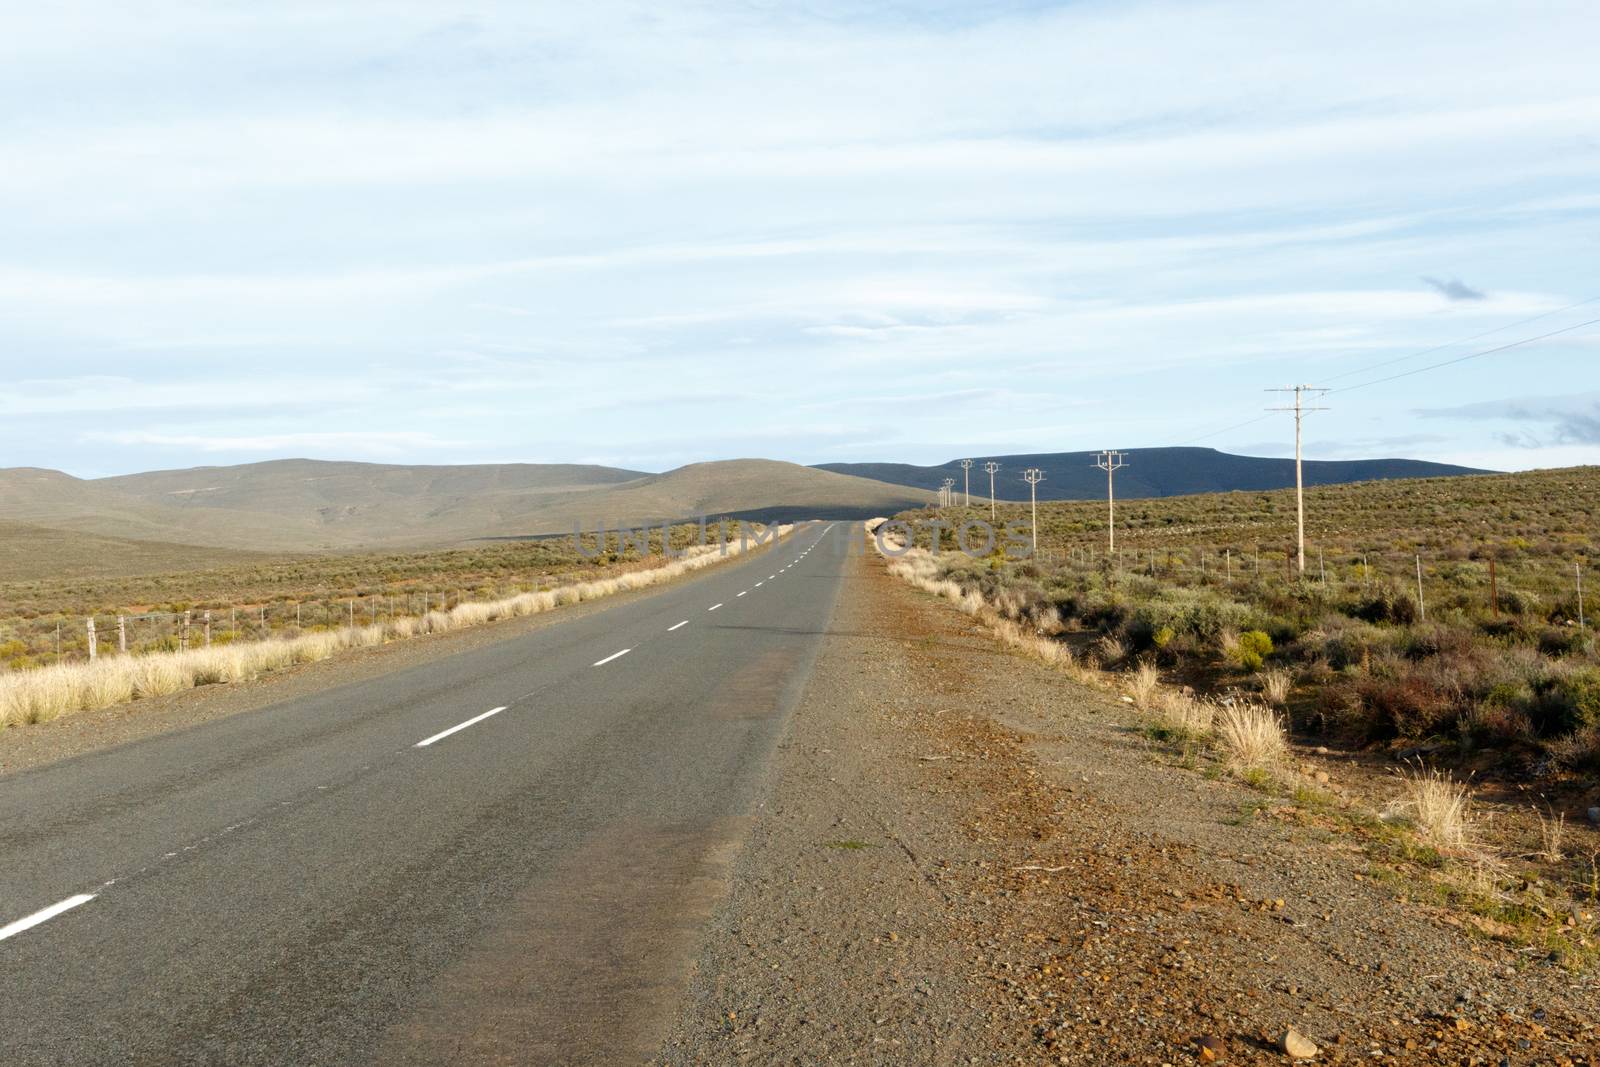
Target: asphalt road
pixel 396 872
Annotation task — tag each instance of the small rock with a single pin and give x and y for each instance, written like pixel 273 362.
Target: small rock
pixel 1211 1048
pixel 1594 816
pixel 1321 777
pixel 1297 1046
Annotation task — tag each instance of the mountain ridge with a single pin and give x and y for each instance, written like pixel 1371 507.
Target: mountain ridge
pixel 1149 473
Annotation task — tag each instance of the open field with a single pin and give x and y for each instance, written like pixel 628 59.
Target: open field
pixel 251 597
pixel 1486 662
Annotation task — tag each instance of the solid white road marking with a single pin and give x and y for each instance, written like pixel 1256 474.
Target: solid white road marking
pixel 714 607
pixel 685 622
pixel 614 655
pixel 45 915
pixel 441 735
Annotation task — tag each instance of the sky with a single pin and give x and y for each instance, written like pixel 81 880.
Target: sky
pixel 648 234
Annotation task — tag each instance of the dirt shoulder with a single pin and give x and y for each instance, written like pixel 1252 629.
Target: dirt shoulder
pixel 965 858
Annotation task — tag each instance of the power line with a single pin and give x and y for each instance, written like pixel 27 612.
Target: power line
pixel 1470 355
pixel 1418 370
pixel 1452 344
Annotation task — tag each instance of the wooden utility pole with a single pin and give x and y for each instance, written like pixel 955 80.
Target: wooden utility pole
pixel 1111 462
pixel 991 466
pixel 1300 412
pixel 1033 476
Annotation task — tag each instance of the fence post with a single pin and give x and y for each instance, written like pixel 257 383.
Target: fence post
pixel 208 627
pixel 1494 589
pixel 122 635
pixel 1322 566
pixel 297 614
pixel 1422 606
pixel 183 634
pixel 93 646
pixel 1227 557
pixel 352 614
pixel 1577 572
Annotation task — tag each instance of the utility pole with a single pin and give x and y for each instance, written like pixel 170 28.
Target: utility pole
pixel 1111 462
pixel 949 497
pixel 966 479
pixel 991 466
pixel 1300 411
pixel 1033 476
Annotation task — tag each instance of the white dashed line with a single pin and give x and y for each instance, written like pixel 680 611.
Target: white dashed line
pixel 614 655
pixel 458 726
pixel 714 607
pixel 742 593
pixel 760 584
pixel 44 915
pixel 685 622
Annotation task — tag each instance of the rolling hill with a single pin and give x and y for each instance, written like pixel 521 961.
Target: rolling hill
pixel 1151 472
pixel 315 506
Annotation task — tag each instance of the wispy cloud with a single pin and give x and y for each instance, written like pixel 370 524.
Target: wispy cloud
pixel 1551 420
pixel 1455 289
pixel 359 443
pixel 650 231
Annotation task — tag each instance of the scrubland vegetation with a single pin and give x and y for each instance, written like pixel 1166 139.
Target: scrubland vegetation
pixel 291 596
pixel 1490 666
pixel 42 693
pixel 1244 675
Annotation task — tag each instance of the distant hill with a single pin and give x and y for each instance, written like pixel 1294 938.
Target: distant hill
pixel 29 553
pixel 312 506
pixel 1150 472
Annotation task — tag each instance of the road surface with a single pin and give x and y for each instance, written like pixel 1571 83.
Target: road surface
pixel 504 856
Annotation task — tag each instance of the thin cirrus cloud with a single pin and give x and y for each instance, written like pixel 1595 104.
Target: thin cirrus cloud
pixel 1549 421
pixel 366 444
pixel 484 232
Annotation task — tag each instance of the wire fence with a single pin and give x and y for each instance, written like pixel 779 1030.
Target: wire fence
pixel 63 638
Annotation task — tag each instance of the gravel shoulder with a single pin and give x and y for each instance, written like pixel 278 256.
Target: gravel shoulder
pixel 966 858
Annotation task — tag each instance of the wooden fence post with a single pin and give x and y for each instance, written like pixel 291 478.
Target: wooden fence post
pixel 1422 606
pixel 208 627
pixel 93 645
pixel 1577 572
pixel 1494 589
pixel 183 633
pixel 122 635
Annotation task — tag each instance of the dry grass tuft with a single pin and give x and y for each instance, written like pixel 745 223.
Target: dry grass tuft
pixel 1276 684
pixel 1439 807
pixel 1184 715
pixel 1552 837
pixel 1251 736
pixel 1143 685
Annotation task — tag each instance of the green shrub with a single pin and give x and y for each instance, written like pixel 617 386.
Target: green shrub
pixel 1252 649
pixel 1568 703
